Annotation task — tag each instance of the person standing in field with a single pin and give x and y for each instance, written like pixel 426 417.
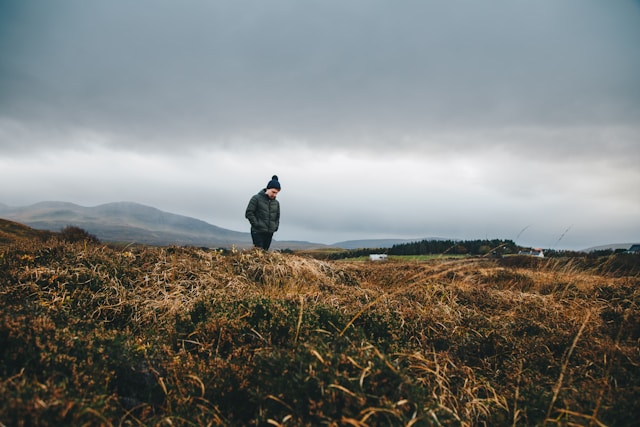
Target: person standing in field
pixel 263 213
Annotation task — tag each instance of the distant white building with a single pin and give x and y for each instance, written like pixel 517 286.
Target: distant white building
pixel 377 257
pixel 533 252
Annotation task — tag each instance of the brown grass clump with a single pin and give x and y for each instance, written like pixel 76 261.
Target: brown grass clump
pixel 93 335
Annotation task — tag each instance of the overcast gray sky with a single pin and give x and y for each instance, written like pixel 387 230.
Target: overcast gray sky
pixel 460 119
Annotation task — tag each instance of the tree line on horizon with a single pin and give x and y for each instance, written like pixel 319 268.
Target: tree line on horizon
pixel 454 247
pixel 478 247
pixel 432 247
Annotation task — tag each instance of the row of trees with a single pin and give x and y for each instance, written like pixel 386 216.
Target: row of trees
pixel 427 247
pixel 495 247
pixel 460 247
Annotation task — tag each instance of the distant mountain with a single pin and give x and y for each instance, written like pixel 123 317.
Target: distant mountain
pixel 129 222
pixel 610 247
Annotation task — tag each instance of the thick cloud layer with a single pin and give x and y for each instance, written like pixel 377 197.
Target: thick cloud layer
pixel 458 119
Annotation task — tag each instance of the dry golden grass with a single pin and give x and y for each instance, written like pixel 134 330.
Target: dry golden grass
pixel 93 335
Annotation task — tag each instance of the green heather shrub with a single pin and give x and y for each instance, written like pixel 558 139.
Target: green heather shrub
pixel 72 234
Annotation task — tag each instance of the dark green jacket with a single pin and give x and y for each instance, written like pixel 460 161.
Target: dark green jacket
pixel 263 213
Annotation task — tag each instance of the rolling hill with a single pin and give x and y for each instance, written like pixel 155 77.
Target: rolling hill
pixel 129 222
pixel 11 231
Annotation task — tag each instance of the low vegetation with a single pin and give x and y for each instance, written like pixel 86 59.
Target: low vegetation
pixel 97 335
pixel 11 231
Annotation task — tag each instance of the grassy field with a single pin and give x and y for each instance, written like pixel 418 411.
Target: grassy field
pixel 94 335
pixel 406 258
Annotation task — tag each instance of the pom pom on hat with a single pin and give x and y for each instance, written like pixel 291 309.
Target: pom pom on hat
pixel 274 183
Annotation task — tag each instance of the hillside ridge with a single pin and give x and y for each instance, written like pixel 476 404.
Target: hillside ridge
pixel 131 222
pixel 10 231
pixel 126 222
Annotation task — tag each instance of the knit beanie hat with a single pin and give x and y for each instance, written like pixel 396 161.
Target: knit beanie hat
pixel 274 183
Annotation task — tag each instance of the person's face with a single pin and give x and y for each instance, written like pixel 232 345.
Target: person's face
pixel 272 193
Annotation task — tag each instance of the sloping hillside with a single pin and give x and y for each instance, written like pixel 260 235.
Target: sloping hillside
pixel 90 335
pixel 128 222
pixel 11 231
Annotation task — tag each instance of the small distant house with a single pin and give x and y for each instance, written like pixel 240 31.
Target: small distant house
pixel 634 249
pixel 533 252
pixel 537 252
pixel 377 257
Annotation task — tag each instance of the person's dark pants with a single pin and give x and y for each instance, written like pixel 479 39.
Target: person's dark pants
pixel 261 240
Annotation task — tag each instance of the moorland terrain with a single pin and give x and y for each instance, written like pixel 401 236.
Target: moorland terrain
pixel 128 222
pixel 94 334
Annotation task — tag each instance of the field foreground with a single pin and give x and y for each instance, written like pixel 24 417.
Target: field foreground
pixel 91 335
